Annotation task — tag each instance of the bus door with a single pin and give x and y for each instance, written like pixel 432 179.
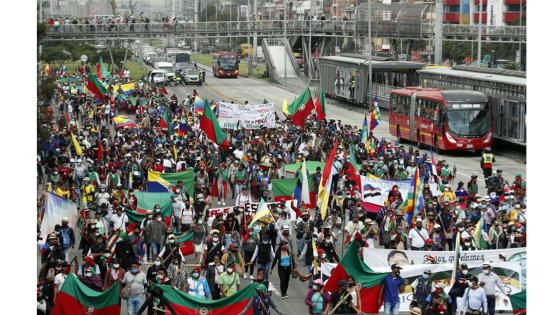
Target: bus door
pixel 411 117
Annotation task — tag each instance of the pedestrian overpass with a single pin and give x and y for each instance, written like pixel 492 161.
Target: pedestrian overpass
pixel 400 30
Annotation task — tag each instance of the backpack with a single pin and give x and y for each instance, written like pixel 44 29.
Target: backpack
pixel 65 238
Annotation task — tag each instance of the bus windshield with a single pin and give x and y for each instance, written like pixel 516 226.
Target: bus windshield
pixel 468 120
pixel 182 57
pixel 227 63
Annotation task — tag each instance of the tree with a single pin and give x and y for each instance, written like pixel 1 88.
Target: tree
pixel 132 5
pixel 114 6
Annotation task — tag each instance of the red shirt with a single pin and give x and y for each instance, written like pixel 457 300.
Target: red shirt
pixel 158 168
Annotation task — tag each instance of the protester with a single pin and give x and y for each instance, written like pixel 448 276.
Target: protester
pixel 229 281
pixel 391 286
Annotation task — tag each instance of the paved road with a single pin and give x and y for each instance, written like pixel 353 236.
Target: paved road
pixel 255 91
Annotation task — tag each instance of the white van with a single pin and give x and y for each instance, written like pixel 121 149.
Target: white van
pixel 167 66
pixel 157 76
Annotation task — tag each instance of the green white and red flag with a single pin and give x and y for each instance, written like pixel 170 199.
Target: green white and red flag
pixel 75 298
pixel 102 71
pixel 209 124
pixel 301 107
pixel 352 264
pixel 186 304
pixel 320 106
pixel 96 87
pixel 519 303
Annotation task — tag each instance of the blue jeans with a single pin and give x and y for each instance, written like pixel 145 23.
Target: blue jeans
pixel 156 248
pixel 266 267
pixel 300 243
pixel 391 308
pixel 133 304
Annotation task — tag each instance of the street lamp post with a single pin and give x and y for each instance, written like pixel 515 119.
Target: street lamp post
pixel 369 86
pixel 479 31
pixel 285 40
pixel 520 24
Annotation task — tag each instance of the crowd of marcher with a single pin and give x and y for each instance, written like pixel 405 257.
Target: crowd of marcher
pixel 115 163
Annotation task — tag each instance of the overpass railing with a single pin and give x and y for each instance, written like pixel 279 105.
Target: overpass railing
pixel 390 29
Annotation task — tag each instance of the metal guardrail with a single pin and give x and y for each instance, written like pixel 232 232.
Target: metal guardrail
pixel 402 29
pixel 292 58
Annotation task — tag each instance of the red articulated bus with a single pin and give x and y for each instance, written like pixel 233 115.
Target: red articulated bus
pixel 225 65
pixel 447 120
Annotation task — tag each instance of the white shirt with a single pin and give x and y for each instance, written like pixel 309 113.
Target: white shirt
pixel 243 199
pixel 490 282
pixel 417 238
pixel 187 216
pixel 238 154
pixel 178 207
pixel 354 228
pixel 119 222
pixel 59 280
pixel 476 299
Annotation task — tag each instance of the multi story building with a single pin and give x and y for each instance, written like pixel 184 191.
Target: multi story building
pixel 180 8
pixel 494 12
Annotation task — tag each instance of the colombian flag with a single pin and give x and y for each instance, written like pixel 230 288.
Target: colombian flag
pixel 122 121
pixel 414 202
pixel 164 182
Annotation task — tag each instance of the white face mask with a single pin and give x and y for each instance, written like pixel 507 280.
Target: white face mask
pixel 215 239
pixel 230 270
pixel 486 272
pixel 116 266
pixel 159 218
pixel 315 287
pixel 464 272
pixel 425 276
pixel 157 263
pixel 467 243
pixel 324 256
pixel 171 241
pixel 88 274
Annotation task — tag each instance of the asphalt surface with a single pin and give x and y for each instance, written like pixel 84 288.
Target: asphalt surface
pixel 255 91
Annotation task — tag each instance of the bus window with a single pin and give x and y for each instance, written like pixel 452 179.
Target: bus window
pixel 393 103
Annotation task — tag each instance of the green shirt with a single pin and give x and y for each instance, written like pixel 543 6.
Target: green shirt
pixel 229 283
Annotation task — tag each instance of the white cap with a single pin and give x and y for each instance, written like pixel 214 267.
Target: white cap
pixel 64 219
pixel 286 227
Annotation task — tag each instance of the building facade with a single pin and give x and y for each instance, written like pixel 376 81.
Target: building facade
pixel 494 12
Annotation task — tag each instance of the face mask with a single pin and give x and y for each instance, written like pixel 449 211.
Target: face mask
pixel 324 256
pixel 88 274
pixel 133 270
pixel 487 272
pixel 171 241
pixel 157 263
pixel 215 239
pixel 159 277
pixel 195 275
pixel 425 276
pixel 230 270
pixel 315 287
pixel 159 219
pixel 106 255
pixel 265 242
pixel 464 272
pixel 116 266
